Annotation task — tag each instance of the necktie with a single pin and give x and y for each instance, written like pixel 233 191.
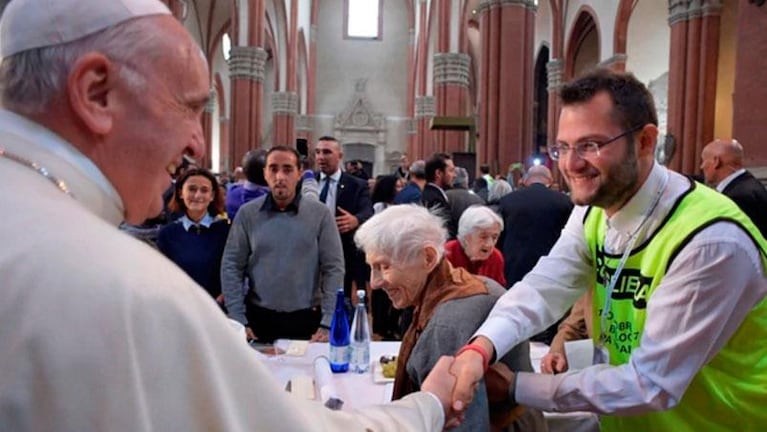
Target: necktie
pixel 325 188
pixel 198 229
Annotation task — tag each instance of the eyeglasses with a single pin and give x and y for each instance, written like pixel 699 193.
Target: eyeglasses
pixel 586 149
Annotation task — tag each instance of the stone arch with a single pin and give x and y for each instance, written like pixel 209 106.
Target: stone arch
pixel 583 44
pixel 540 99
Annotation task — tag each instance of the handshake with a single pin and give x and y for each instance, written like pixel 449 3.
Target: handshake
pixel 454 381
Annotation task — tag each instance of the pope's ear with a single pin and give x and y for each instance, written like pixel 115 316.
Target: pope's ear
pixel 90 88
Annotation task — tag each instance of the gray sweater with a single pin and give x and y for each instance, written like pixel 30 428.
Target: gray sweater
pixel 451 326
pixel 291 260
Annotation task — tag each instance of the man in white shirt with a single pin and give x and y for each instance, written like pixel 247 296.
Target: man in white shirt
pixel 98 331
pixel 678 274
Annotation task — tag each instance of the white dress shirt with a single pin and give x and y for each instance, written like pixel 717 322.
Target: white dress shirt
pixel 714 282
pixel 330 200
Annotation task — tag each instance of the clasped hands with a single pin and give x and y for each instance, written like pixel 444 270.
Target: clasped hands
pixel 454 380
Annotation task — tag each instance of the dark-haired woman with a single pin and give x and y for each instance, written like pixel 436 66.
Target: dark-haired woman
pixel 195 242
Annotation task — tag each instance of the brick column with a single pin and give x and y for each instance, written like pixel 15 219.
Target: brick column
pixel 246 71
pixel 225 157
pixel 506 81
pixel 451 88
pixel 750 98
pixel 207 128
pixel 424 111
pixel 284 111
pixel 692 78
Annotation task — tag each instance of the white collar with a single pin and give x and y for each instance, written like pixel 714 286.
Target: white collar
pixel 631 215
pixel 727 180
pixel 206 221
pixel 336 176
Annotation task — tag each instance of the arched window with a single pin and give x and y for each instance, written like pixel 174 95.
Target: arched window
pixel 226 45
pixel 363 19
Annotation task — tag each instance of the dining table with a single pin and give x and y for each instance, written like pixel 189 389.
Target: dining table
pixel 294 361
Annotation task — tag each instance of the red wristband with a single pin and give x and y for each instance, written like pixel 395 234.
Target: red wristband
pixel 478 349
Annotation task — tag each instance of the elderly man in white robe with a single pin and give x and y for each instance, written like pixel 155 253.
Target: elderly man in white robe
pixel 102 100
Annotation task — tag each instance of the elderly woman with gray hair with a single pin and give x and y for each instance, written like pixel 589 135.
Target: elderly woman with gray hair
pixel 404 247
pixel 474 248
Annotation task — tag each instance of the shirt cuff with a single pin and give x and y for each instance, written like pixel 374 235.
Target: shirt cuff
pixel 439 405
pixel 537 390
pixel 497 331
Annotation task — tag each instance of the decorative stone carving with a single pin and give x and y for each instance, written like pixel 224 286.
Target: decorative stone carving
pixel 451 68
pixel 485 5
pixel 682 10
pixel 285 103
pixel 360 129
pixel 555 74
pixel 425 107
pixel 359 113
pixel 247 62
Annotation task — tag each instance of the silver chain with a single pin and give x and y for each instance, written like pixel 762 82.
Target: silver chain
pixel 37 168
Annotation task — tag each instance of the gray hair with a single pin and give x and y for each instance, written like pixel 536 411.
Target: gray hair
pixel 32 79
pixel 461 180
pixel 498 189
pixel 401 232
pixel 474 218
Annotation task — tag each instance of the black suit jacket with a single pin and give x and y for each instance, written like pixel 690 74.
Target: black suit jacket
pixel 533 218
pixel 353 195
pixel 751 196
pixel 435 200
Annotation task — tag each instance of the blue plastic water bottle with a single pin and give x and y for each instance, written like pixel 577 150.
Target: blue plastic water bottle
pixel 339 336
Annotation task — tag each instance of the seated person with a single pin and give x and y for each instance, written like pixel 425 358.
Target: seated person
pixel 196 241
pixel 404 247
pixel 474 248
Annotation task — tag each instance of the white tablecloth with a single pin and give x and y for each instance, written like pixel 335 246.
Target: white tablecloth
pixel 356 390
pixel 359 390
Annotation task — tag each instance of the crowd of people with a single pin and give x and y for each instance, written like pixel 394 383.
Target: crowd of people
pixel 101 331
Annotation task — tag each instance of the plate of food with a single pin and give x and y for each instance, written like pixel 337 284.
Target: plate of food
pixel 385 369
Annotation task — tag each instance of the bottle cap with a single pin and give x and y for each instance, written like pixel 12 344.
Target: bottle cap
pixel 360 294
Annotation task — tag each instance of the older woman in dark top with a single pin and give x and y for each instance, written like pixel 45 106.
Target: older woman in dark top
pixel 404 248
pixel 196 241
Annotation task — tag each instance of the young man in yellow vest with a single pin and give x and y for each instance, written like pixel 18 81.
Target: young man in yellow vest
pixel 678 273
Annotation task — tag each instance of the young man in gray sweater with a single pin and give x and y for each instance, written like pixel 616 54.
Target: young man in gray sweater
pixel 288 253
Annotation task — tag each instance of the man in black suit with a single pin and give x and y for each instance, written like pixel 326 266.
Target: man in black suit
pixel 440 173
pixel 722 166
pixel 348 197
pixel 533 218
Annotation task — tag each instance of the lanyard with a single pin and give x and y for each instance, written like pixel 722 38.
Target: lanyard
pixel 630 246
